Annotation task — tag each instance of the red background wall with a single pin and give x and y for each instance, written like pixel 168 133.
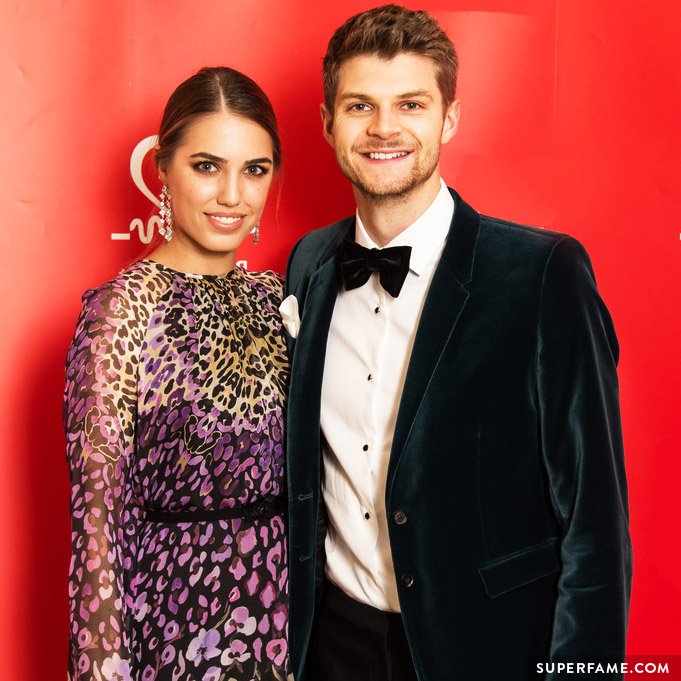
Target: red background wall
pixel 570 121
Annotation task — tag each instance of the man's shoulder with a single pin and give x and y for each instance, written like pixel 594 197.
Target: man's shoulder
pixel 506 236
pixel 315 248
pixel 493 227
pixel 532 255
pixel 318 241
pixel 506 246
pixel 506 242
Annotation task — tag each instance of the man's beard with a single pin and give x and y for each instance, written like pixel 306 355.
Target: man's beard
pixel 399 189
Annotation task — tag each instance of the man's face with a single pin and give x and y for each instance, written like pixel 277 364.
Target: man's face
pixel 388 124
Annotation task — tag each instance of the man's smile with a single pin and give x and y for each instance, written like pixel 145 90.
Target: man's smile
pixel 385 155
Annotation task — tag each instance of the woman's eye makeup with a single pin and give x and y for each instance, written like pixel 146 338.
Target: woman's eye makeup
pixel 210 167
pixel 205 167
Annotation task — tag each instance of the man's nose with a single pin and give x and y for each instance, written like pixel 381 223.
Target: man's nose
pixel 385 123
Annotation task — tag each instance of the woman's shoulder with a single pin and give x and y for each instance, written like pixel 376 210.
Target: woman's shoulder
pixel 268 281
pixel 130 296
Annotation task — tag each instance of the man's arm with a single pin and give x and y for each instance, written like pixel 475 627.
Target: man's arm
pixel 577 356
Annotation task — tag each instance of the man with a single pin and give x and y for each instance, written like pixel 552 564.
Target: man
pixel 455 459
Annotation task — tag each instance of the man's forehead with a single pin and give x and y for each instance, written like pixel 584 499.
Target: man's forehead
pixel 374 75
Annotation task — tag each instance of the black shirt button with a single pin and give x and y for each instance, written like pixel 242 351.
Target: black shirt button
pixel 365 448
pixel 369 377
pixel 377 310
pixel 400 517
pixel 367 516
pixel 407 580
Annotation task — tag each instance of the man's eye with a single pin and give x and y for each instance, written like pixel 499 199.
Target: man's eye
pixel 360 106
pixel 412 106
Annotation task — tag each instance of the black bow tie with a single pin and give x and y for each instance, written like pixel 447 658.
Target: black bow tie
pixel 357 264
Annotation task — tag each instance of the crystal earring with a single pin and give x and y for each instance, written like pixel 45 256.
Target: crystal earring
pixel 256 232
pixel 165 229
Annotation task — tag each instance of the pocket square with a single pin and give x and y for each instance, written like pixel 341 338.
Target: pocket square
pixel 290 315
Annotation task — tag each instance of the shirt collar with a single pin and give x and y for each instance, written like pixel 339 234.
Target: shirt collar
pixel 426 235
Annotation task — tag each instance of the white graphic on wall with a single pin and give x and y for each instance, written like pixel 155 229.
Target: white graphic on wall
pixel 145 230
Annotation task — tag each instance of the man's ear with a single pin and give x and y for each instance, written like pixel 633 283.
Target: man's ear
pixel 451 122
pixel 327 124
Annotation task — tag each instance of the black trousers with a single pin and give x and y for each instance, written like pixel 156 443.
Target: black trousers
pixel 352 641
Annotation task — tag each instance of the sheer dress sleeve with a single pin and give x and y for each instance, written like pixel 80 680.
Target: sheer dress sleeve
pixel 100 404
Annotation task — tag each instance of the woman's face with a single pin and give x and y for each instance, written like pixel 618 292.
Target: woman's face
pixel 218 179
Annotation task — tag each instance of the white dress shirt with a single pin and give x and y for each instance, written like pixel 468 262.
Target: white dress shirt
pixel 367 355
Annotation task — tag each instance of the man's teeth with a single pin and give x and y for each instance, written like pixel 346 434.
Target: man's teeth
pixel 379 155
pixel 225 221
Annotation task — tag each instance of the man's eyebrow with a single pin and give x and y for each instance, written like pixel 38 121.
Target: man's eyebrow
pixel 415 93
pixel 353 95
pixel 405 95
pixel 217 159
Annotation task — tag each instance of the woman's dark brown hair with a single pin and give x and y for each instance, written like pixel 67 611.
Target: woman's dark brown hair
pixel 214 90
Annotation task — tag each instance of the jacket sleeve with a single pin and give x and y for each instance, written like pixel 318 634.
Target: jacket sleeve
pixel 291 279
pixel 582 446
pixel 99 422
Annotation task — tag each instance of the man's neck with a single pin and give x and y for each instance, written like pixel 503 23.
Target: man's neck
pixel 384 219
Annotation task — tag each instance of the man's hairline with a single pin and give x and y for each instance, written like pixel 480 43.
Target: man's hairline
pixel 375 53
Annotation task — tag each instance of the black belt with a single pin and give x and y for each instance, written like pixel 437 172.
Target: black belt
pixel 262 509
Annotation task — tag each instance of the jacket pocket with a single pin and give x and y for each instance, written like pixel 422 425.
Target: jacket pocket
pixel 516 569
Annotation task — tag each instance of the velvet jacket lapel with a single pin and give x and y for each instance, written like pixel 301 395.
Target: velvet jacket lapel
pixel 317 301
pixel 445 301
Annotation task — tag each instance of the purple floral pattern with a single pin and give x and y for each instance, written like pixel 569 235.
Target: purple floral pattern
pixel 174 401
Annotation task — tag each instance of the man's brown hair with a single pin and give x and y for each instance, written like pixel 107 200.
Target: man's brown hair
pixel 386 31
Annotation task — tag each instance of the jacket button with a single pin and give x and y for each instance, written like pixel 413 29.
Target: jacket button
pixel 400 517
pixel 407 580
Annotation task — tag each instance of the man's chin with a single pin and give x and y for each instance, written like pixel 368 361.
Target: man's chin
pixel 382 193
pixel 383 190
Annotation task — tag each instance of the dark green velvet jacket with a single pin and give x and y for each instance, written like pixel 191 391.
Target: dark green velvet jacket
pixel 507 456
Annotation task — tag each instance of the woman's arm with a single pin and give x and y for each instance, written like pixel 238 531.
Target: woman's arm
pixel 99 419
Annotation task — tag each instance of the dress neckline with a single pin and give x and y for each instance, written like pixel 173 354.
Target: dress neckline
pixel 189 275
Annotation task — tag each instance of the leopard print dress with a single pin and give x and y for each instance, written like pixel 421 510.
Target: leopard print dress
pixel 174 402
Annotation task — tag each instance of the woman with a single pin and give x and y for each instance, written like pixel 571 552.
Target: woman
pixel 175 391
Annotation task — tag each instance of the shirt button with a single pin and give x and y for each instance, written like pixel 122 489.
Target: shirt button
pixel 365 448
pixel 369 377
pixel 377 310
pixel 407 580
pixel 400 517
pixel 367 515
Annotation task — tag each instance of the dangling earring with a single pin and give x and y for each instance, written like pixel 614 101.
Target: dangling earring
pixel 256 232
pixel 166 227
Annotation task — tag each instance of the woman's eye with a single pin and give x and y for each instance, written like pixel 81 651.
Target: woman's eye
pixel 256 170
pixel 205 167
